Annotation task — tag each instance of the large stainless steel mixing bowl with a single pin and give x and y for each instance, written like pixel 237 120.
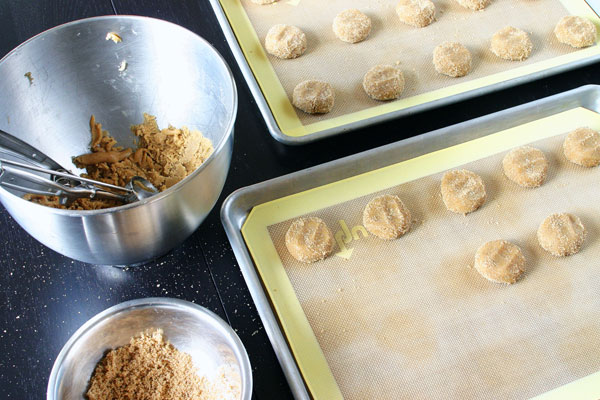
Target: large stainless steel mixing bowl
pixel 73 71
pixel 190 328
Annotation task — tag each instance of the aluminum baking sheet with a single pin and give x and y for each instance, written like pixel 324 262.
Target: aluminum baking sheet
pixel 238 205
pixel 271 80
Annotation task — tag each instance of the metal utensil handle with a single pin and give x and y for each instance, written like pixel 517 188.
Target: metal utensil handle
pixel 14 146
pixel 61 190
pixel 65 175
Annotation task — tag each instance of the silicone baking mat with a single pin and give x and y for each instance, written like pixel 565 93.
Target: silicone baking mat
pixel 391 42
pixel 411 318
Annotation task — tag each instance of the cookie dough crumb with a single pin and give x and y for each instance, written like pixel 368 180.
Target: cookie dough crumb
pixel 114 37
pixel 384 82
pixel 561 234
pixel 148 367
pixel 417 13
pixel 463 191
pixel 387 217
pixel 575 31
pixel 263 2
pixel 351 26
pixel 29 77
pixel 526 166
pixel 511 44
pixel 452 59
pixel 475 5
pixel 309 239
pixel 285 41
pixel 582 147
pixel 500 261
pixel 313 97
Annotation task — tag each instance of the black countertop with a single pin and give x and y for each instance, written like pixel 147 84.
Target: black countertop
pixel 45 297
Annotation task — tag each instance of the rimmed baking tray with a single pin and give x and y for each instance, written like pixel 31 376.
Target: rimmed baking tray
pixel 272 81
pixel 582 104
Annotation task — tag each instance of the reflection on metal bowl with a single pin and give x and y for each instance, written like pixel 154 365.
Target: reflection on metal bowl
pixel 52 83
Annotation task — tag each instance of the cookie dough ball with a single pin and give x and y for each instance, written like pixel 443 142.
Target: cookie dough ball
pixel 384 82
pixel 462 191
pixel 561 234
pixel 511 44
pixel 452 59
pixel 351 26
pixel 526 166
pixel 387 217
pixel 575 31
pixel 500 261
pixel 582 147
pixel 309 240
pixel 263 1
pixel 313 97
pixel 285 41
pixel 473 4
pixel 418 13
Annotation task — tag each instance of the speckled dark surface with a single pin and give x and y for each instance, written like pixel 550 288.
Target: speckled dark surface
pixel 45 297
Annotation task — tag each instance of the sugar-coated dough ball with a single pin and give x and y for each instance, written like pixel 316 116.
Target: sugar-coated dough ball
pixel 473 4
pixel 309 239
pixel 511 44
pixel 387 217
pixel 351 26
pixel 526 166
pixel 561 234
pixel 384 82
pixel 462 191
pixel 500 261
pixel 285 41
pixel 263 1
pixel 575 31
pixel 452 59
pixel 418 13
pixel 313 97
pixel 582 147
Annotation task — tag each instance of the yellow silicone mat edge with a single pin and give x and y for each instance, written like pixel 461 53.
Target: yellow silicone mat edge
pixel 285 114
pixel 303 343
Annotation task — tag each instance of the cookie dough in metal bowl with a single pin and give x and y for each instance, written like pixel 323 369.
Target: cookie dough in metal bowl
pixel 216 351
pixel 117 68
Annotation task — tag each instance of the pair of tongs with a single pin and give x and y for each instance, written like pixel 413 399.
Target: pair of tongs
pixel 26 176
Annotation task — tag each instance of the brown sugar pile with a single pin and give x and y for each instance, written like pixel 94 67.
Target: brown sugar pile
pixel 164 157
pixel 148 368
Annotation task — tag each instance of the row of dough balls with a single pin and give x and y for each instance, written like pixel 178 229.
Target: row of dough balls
pixel 308 239
pixel 423 9
pixel 386 82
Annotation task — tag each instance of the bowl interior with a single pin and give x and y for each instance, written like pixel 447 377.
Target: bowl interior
pixel 74 71
pixel 190 328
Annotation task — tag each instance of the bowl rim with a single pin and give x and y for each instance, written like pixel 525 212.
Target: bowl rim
pixel 157 197
pixel 148 302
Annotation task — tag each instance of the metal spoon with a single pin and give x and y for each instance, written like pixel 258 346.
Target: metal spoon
pixel 64 182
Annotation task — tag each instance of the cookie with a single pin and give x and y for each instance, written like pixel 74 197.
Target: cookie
pixel 417 13
pixel 452 59
pixel 285 41
pixel 384 82
pixel 500 261
pixel 462 191
pixel 526 166
pixel 309 239
pixel 561 234
pixel 313 97
pixel 387 217
pixel 511 44
pixel 582 147
pixel 351 26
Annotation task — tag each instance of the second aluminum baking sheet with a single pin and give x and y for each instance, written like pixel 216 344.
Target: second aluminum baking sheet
pixel 391 42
